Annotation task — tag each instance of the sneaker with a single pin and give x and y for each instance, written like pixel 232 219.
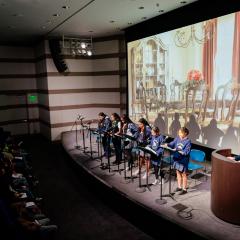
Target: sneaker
pixel 183 192
pixel 161 182
pixel 156 182
pixel 144 176
pixel 178 189
pixel 136 172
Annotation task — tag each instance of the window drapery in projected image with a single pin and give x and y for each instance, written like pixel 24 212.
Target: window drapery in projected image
pixel 190 77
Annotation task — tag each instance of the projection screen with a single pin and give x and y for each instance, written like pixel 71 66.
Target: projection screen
pixel 189 77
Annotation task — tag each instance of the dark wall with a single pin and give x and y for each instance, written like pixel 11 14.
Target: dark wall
pixel 186 15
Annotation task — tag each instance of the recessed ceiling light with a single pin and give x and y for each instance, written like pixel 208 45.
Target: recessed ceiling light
pixel 183 2
pixel 17 15
pixel 130 23
pixel 112 21
pixel 161 11
pixel 141 8
pixel 65 7
pixel 144 17
pixel 56 15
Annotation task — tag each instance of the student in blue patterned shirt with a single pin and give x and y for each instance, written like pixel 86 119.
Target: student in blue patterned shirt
pixel 144 136
pixel 129 128
pixel 155 144
pixel 104 125
pixel 182 146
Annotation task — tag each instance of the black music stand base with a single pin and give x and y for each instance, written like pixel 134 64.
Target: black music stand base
pixel 160 201
pixel 109 174
pixel 169 195
pixel 126 180
pixel 140 189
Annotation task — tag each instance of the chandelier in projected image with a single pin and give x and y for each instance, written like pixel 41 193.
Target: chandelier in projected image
pixel 199 33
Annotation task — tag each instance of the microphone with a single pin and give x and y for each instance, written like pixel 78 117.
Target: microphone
pixel 79 116
pixel 164 141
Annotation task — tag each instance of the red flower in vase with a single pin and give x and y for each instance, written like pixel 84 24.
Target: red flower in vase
pixel 195 75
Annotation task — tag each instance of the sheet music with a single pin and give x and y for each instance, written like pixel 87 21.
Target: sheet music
pixel 168 148
pixel 129 137
pixel 151 150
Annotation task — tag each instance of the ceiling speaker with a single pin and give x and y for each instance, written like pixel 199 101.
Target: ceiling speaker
pixel 57 56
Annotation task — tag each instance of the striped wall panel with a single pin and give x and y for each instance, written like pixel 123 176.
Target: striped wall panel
pixel 92 85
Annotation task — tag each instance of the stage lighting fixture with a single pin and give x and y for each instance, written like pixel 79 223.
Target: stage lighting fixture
pixel 83 45
pixel 77 46
pixel 89 53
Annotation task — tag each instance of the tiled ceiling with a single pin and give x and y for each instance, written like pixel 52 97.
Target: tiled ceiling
pixel 30 19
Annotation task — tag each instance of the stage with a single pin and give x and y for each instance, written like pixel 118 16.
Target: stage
pixel 190 211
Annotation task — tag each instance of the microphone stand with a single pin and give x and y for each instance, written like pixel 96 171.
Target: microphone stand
pixel 160 200
pixel 140 188
pixel 83 135
pixel 127 179
pixel 76 138
pixel 90 140
pixel 170 194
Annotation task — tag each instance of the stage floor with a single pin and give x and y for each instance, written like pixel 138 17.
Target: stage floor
pixel 197 201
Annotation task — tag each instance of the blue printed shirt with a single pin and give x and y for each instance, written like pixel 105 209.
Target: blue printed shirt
pixel 105 126
pixel 144 136
pixel 155 144
pixel 183 145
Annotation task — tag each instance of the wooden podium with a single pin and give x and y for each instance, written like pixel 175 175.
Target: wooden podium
pixel 225 187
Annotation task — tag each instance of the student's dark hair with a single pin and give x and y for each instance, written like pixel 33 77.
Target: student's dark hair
pixel 126 118
pixel 185 130
pixel 116 116
pixel 156 130
pixel 144 121
pixel 102 114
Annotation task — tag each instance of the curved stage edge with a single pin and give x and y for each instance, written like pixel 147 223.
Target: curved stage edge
pixel 141 208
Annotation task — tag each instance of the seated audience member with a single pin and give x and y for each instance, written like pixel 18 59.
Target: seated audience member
pixel 20 213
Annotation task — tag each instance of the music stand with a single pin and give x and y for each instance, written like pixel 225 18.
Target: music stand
pixel 126 179
pixel 99 148
pixel 83 134
pixel 76 138
pixel 171 151
pixel 109 172
pixel 140 188
pixel 160 200
pixel 151 152
pixel 120 136
pixel 91 131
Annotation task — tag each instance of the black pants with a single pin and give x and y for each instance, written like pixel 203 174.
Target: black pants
pixel 106 145
pixel 118 150
pixel 129 156
pixel 156 170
